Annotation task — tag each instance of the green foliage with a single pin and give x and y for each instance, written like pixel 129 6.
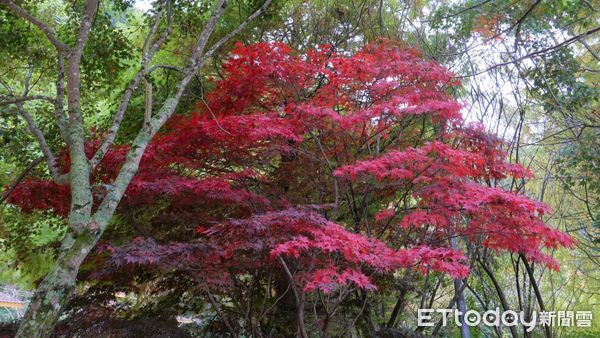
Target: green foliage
pixel 28 245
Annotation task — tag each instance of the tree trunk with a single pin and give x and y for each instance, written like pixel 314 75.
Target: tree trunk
pixel 461 305
pixel 404 288
pixel 501 296
pixel 538 294
pixel 57 287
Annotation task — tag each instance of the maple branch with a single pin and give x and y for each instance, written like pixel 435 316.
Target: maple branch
pixel 147 55
pixel 331 169
pixel 37 133
pixel 212 113
pixel 60 46
pixel 117 119
pixel 404 289
pixel 360 313
pixel 453 301
pixel 299 295
pixel 59 109
pixel 221 314
pixel 536 290
pixel 589 49
pixel 167 67
pixel 20 178
pixel 499 291
pixel 289 275
pixel 264 312
pixel 243 25
pixel 27 98
pixel 84 29
pixel 521 20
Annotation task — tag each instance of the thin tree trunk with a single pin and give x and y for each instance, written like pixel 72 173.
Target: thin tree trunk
pixel 461 305
pixel 404 288
pixel 300 299
pixel 453 301
pixel 538 294
pixel 503 301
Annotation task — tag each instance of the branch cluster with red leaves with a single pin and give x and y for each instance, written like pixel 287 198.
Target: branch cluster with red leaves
pixel 288 158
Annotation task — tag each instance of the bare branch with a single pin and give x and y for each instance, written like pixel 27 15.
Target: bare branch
pixel 59 110
pixel 221 314
pixel 26 98
pixel 236 31
pixel 589 49
pixel 521 20
pixel 299 295
pixel 462 10
pixel 28 79
pixel 86 26
pixel 537 52
pixel 147 101
pixel 380 18
pixel 117 119
pixel 61 47
pixel 37 133
pixel 153 68
pixel 19 178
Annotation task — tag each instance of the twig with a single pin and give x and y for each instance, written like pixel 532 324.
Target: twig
pixel 19 178
pixel 27 98
pixel 220 313
pixel 536 53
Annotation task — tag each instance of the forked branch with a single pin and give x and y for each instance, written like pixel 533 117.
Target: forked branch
pixel 18 10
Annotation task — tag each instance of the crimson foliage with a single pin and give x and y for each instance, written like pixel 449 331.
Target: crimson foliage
pixel 341 168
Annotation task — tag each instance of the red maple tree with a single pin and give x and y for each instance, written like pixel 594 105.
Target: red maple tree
pixel 344 167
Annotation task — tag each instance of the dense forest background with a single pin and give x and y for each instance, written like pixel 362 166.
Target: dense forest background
pixel 526 71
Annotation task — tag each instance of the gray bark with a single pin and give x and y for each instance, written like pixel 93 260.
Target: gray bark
pixel 461 305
